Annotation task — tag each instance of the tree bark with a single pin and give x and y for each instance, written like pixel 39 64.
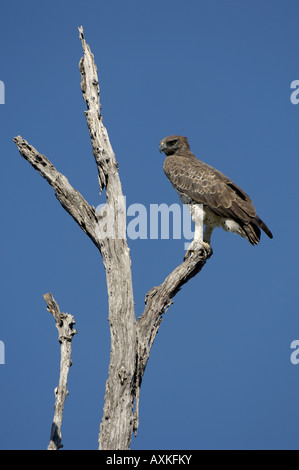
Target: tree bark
pixel 64 325
pixel 131 340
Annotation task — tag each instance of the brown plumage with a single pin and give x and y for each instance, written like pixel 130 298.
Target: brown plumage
pixel 224 203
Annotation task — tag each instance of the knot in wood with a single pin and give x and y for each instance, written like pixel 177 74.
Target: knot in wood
pixel 123 375
pixel 151 293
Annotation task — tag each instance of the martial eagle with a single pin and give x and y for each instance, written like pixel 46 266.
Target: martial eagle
pixel 224 204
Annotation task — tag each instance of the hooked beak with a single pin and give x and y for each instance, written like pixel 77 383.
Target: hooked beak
pixel 162 146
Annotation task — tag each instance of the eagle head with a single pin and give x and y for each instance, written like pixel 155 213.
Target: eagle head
pixel 174 144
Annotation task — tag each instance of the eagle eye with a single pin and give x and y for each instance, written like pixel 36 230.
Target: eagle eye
pixel 172 142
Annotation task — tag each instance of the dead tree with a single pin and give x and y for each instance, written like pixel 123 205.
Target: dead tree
pixel 131 340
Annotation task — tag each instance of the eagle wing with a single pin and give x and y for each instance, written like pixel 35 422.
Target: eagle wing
pixel 206 185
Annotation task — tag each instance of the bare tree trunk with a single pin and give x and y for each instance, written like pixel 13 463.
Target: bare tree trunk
pixel 117 424
pixel 131 340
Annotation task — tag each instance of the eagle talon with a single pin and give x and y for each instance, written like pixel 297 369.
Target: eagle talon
pixel 204 247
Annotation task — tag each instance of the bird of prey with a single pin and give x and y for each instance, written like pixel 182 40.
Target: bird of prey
pixel 213 199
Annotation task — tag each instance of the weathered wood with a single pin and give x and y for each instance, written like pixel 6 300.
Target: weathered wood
pixel 64 325
pixel 70 199
pixel 117 424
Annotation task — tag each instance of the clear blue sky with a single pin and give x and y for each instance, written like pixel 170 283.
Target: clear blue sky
pixel 219 72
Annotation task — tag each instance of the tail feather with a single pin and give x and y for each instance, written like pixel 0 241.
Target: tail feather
pixel 252 230
pixel 252 233
pixel 263 226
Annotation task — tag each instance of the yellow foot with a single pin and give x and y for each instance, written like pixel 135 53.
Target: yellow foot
pixel 203 246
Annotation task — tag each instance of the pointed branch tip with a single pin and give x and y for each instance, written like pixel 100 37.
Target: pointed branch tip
pixel 81 32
